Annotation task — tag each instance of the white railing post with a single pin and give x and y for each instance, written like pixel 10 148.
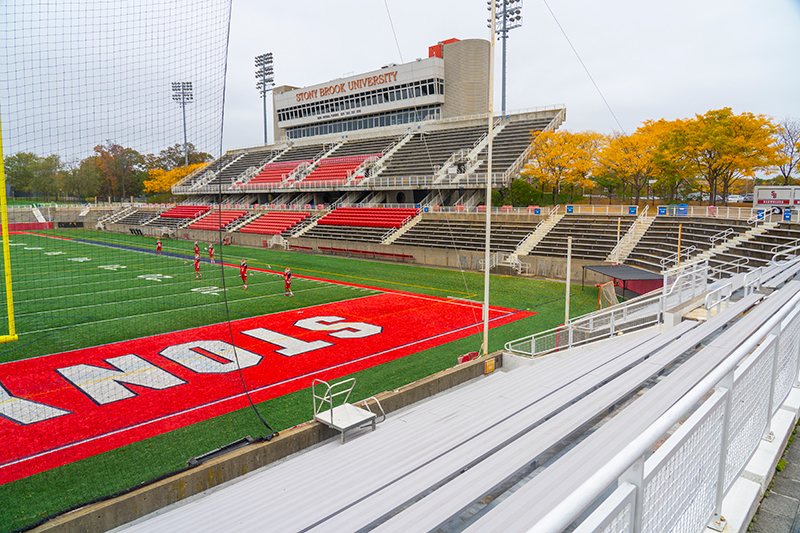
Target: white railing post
pixel 717 522
pixel 776 332
pixel 635 476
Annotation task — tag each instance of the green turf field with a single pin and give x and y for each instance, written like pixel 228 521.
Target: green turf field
pixel 63 304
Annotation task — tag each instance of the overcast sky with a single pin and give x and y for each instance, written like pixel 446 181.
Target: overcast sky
pixel 651 60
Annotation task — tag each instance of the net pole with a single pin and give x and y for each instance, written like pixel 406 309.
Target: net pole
pixel 12 335
pixel 487 253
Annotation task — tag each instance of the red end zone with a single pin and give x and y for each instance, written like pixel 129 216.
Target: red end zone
pixel 64 407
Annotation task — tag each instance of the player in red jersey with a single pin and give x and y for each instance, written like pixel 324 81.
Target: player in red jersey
pixel 158 247
pixel 196 248
pixel 211 253
pixel 197 273
pixel 243 272
pixel 287 282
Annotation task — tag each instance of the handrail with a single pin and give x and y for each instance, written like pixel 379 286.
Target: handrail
pixel 752 281
pixel 716 297
pixel 790 244
pixel 679 254
pixel 721 235
pixel 566 511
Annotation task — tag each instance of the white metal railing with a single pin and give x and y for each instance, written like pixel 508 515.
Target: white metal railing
pixel 752 281
pixel 722 236
pixel 676 257
pixel 729 269
pixel 684 283
pixel 630 234
pixel 682 485
pixel 680 285
pixel 789 252
pixel 519 162
pixel 717 297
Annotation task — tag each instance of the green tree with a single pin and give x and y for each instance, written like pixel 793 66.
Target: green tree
pixel 172 157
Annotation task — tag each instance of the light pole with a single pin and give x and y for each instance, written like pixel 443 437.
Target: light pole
pixel 182 95
pixel 264 75
pixel 508 17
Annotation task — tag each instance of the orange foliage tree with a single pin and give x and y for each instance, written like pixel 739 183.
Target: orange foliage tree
pixel 562 157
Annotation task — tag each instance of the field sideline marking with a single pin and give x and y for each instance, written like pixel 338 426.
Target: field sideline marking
pixel 244 394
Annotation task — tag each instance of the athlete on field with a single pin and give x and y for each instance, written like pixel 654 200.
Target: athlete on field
pixel 196 248
pixel 158 247
pixel 197 273
pixel 243 273
pixel 287 282
pixel 211 253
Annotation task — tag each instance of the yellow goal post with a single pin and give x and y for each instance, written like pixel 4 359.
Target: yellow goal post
pixel 12 334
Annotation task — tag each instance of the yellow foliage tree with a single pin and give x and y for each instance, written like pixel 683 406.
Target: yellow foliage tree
pixel 562 157
pixel 631 158
pixel 722 147
pixel 161 181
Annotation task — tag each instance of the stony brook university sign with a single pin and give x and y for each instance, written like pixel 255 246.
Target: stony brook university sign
pixel 352 85
pixel 63 407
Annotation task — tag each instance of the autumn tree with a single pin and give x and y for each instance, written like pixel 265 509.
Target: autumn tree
pixel 121 169
pixel 789 139
pixel 173 157
pixel 632 158
pixel 722 147
pixel 161 181
pixel 562 158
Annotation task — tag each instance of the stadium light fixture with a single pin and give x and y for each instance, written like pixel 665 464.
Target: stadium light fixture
pixel 509 17
pixel 265 83
pixel 182 95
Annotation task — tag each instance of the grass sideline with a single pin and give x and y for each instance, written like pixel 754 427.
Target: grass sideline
pixel 25 501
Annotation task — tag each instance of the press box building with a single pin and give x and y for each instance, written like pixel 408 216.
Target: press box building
pixel 414 133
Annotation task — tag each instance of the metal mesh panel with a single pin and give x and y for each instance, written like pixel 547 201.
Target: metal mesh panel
pixel 748 419
pixel 680 492
pixel 787 361
pixel 615 515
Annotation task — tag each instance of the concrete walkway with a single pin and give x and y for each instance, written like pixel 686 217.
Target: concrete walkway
pixel 780 507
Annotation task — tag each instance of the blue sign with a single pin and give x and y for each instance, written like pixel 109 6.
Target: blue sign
pixel 537 211
pixel 760 214
pixel 570 209
pixel 787 215
pixel 632 210
pixel 425 209
pixel 662 210
pixel 683 210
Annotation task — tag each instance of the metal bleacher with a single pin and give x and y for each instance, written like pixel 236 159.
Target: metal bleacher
pixel 506 452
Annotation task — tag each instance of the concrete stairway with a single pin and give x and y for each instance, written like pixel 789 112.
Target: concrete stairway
pixel 401 230
pixel 736 241
pixel 629 241
pixel 538 234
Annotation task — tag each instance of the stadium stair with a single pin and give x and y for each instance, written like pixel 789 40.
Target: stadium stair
pixel 400 231
pixel 242 222
pixel 309 225
pixel 629 241
pixel 380 164
pixel 539 233
pixel 735 241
